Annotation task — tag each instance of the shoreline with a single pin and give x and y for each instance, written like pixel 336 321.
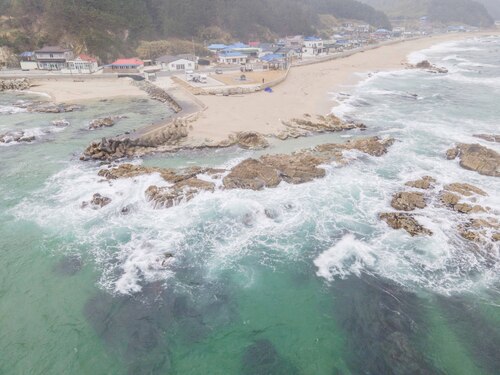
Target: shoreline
pixel 212 120
pixel 307 90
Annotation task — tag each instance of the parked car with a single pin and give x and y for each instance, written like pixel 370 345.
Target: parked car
pixel 218 71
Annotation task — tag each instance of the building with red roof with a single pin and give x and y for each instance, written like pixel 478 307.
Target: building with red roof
pixel 132 65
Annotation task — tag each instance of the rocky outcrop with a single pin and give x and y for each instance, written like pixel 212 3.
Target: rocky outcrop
pixel 112 149
pixel 479 229
pixel 266 172
pixel 299 127
pixel 426 65
pixel 489 137
pixel 477 158
pixel 299 167
pixel 397 220
pixel 156 93
pixel 102 122
pixel 452 194
pixel 168 174
pixel 466 190
pixel 184 190
pixel 425 183
pixel 15 84
pixel 252 174
pixel 408 201
pixel 16 136
pixel 459 197
pixel 44 107
pixel 250 140
pixel 97 201
pixel 60 123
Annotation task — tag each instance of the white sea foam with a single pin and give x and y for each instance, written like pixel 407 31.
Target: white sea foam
pixel 331 222
pixel 8 109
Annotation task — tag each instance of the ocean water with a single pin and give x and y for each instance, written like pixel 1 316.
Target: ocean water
pixel 319 286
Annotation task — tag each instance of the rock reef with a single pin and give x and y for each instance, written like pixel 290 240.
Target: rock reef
pixel 476 158
pixel 458 197
pixel 426 65
pixel 266 172
pixel 299 127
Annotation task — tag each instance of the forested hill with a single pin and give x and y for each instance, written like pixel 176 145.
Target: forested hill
pixel 446 11
pixel 114 27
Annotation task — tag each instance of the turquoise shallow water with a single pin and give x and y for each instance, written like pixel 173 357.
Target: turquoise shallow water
pixel 321 286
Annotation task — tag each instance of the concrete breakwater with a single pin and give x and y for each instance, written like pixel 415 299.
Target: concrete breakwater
pixel 14 84
pixel 157 93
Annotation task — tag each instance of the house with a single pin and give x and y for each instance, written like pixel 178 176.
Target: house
pixel 242 48
pixel 362 29
pixel 382 34
pixel 295 41
pixel 229 57
pixel 132 65
pixel 288 52
pixel 53 57
pixel 178 63
pixel 275 61
pixel 216 47
pixel 313 46
pixel 28 61
pixel 83 64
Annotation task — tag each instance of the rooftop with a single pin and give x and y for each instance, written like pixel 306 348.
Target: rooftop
pixel 132 61
pixel 53 49
pixel 166 59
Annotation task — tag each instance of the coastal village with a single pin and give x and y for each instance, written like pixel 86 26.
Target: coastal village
pixel 249 64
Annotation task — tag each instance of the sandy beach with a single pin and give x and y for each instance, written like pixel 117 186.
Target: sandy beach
pixel 65 90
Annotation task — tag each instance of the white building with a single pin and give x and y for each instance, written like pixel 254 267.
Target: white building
pixel 232 58
pixel 28 61
pixel 53 58
pixel 178 63
pixel 313 46
pixel 83 64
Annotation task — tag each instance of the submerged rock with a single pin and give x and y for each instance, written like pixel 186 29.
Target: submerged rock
pixel 408 201
pixel 186 190
pixel 476 328
pixel 43 107
pixel 477 158
pixel 261 358
pixel 384 327
pixel 97 201
pixel 397 220
pixel 60 123
pixel 488 137
pixel 16 136
pixel 69 265
pixel 481 229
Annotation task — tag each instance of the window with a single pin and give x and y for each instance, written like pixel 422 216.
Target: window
pixel 180 67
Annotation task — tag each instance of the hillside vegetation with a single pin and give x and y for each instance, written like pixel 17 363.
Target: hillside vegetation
pixel 446 11
pixel 109 28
